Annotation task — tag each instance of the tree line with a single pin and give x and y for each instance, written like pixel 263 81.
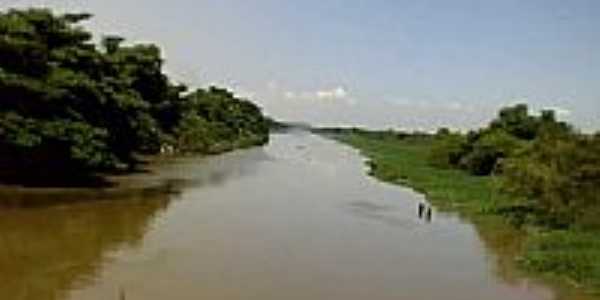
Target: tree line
pixel 550 170
pixel 70 104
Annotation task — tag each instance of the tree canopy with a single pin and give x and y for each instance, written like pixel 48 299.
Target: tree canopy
pixel 550 167
pixel 69 104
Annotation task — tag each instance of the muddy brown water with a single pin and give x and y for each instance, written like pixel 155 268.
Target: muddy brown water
pixel 297 219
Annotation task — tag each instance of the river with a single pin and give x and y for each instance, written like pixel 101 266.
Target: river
pixel 296 219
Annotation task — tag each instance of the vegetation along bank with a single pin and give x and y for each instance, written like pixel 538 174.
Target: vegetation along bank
pixel 70 106
pixel 532 173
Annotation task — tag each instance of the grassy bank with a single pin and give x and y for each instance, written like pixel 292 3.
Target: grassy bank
pixel 569 257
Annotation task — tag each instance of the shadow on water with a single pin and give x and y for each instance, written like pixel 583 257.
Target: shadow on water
pixel 40 179
pixel 13 199
pixel 162 175
pixel 66 177
pixel 55 240
pixel 505 244
pixel 46 251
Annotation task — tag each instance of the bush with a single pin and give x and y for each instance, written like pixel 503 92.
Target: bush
pixel 488 150
pixel 447 150
pixel 562 176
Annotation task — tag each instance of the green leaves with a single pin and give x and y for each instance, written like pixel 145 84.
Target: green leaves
pixel 542 162
pixel 562 175
pixel 64 102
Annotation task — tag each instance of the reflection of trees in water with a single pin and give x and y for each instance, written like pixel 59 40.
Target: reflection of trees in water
pixel 46 250
pixel 505 243
pixel 502 241
pixel 54 241
pixel 216 171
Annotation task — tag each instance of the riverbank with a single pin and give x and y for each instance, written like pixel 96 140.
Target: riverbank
pixel 155 174
pixel 282 221
pixel 152 177
pixel 48 181
pixel 570 259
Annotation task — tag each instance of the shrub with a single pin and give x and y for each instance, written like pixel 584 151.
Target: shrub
pixel 561 175
pixel 447 150
pixel 487 151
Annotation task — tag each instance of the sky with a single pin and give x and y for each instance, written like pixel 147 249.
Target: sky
pixel 404 64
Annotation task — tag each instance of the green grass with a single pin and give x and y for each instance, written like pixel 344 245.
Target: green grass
pixel 571 258
pixel 573 255
pixel 405 162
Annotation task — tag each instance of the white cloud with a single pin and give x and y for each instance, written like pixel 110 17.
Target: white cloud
pixel 336 93
pixel 243 93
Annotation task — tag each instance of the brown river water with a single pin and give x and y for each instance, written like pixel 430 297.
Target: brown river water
pixel 297 219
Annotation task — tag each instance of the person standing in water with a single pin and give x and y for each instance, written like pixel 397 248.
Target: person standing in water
pixel 424 211
pixel 421 210
pixel 428 215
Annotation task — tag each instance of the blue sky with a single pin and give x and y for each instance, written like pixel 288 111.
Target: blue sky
pixel 409 64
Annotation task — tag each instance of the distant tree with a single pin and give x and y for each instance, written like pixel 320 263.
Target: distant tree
pixel 443 131
pixel 516 121
pixel 512 129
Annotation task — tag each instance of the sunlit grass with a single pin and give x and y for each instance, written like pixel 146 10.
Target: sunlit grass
pixel 405 162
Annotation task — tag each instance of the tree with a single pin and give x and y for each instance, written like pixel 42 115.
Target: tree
pixel 66 105
pixel 515 120
pixel 481 151
pixel 562 178
pixel 488 150
pixel 112 43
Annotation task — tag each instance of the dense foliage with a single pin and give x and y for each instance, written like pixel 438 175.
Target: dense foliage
pixel 550 168
pixel 68 104
pixel 560 178
pixel 480 151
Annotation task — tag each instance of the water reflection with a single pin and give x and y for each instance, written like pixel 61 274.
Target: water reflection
pixel 296 220
pixel 504 243
pixel 47 251
pixel 381 213
pixel 197 172
pixel 54 241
